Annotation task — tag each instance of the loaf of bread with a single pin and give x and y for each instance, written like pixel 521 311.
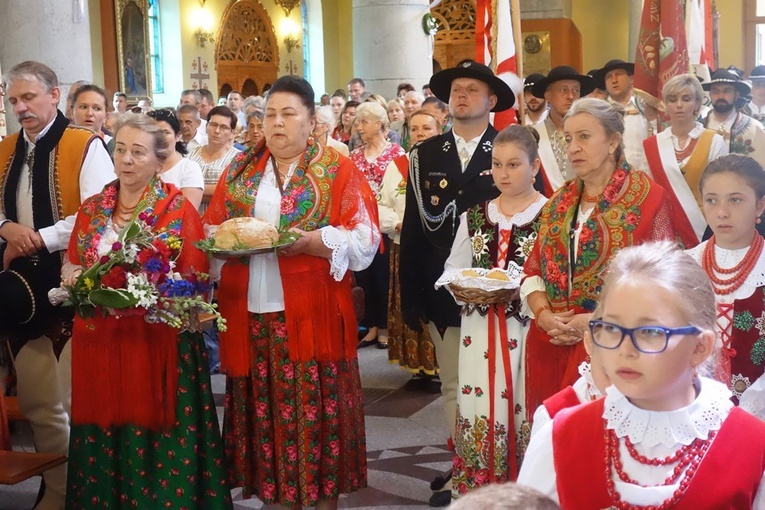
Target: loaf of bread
pixel 470 272
pixel 245 233
pixel 497 274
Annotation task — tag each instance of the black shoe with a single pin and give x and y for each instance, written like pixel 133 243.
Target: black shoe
pixel 367 343
pixel 433 385
pixel 416 383
pixel 438 482
pixel 382 345
pixel 362 333
pixel 439 499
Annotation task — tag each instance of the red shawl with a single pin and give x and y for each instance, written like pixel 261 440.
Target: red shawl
pixel 632 210
pixel 125 371
pixel 325 190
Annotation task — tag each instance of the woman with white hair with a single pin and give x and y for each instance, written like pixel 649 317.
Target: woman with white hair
pixel 678 155
pixel 325 123
pixel 373 159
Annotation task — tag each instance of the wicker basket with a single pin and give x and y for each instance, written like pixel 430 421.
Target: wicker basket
pixel 475 296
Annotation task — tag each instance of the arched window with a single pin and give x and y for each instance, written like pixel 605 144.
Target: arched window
pixel 155 48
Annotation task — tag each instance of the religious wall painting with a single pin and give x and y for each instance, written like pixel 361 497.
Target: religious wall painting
pixel 132 44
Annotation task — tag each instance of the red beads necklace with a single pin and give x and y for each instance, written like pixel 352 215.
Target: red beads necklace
pixel 689 458
pixel 739 272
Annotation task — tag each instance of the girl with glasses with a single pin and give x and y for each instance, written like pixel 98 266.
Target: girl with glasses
pixel 732 190
pixel 664 436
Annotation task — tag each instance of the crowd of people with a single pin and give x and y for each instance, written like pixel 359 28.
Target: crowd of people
pixel 622 361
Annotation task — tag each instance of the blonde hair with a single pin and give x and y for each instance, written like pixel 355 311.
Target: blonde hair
pixel 677 84
pixel 374 112
pixel 505 496
pixel 663 264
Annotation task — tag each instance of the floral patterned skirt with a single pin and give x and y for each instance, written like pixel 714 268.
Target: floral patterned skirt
pixel 133 467
pixel 294 432
pixel 489 429
pixel 407 348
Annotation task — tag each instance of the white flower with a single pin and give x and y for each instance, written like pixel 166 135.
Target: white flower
pixel 739 384
pixel 525 245
pixel 140 288
pixel 758 323
pixel 480 244
pixel 131 252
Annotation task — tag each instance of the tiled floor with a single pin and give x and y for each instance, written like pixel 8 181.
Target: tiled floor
pixel 405 443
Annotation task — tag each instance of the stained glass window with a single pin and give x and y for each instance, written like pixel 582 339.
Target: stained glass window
pixel 155 48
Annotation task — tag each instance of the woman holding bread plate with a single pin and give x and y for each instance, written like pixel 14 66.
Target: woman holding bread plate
pixel 294 424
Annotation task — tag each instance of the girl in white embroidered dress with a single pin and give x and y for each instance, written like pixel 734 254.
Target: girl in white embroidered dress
pixel 732 190
pixel 655 433
pixel 492 426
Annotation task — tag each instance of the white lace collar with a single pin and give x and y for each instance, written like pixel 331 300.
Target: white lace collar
pixel 729 258
pixel 668 428
pixel 517 220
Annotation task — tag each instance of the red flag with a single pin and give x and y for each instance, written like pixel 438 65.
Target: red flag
pixel 495 47
pixel 662 48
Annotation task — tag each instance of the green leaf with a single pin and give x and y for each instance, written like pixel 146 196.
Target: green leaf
pixel 112 298
pixel 206 244
pixel 129 232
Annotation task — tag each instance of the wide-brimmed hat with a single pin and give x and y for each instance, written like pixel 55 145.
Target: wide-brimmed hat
pixel 441 83
pixel 559 73
pixel 23 299
pixel 757 74
pixel 532 79
pixel 617 64
pixel 728 77
pixel 599 82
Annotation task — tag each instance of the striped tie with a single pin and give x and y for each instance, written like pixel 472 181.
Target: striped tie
pixel 504 244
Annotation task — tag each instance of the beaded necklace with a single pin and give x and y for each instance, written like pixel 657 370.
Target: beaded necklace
pixel 740 271
pixel 689 457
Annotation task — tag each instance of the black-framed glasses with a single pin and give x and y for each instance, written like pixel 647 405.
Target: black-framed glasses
pixel 646 339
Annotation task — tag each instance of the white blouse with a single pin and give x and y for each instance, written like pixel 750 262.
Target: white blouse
pixel 753 398
pixel 461 255
pixel 391 201
pixel 184 174
pixel 351 249
pixel 654 434
pixel 717 149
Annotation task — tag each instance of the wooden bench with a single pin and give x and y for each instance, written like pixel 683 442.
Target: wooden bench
pixel 17 466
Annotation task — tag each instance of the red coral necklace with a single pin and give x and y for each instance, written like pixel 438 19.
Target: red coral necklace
pixel 739 272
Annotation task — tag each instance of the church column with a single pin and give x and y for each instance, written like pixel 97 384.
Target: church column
pixel 636 15
pixel 54 33
pixel 389 44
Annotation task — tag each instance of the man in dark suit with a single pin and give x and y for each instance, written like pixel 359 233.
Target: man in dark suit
pixel 448 174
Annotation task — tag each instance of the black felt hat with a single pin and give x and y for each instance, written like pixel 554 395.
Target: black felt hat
pixel 22 299
pixel 532 79
pixel 728 77
pixel 757 74
pixel 559 73
pixel 617 64
pixel 599 82
pixel 441 83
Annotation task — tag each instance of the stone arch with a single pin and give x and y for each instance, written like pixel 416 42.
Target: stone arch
pixel 455 40
pixel 246 47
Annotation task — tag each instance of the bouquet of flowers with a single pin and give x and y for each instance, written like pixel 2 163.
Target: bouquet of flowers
pixel 137 277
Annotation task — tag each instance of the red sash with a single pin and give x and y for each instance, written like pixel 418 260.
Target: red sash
pixel 680 220
pixel 727 478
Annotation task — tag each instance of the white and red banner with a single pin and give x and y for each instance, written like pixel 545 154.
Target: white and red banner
pixel 497 26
